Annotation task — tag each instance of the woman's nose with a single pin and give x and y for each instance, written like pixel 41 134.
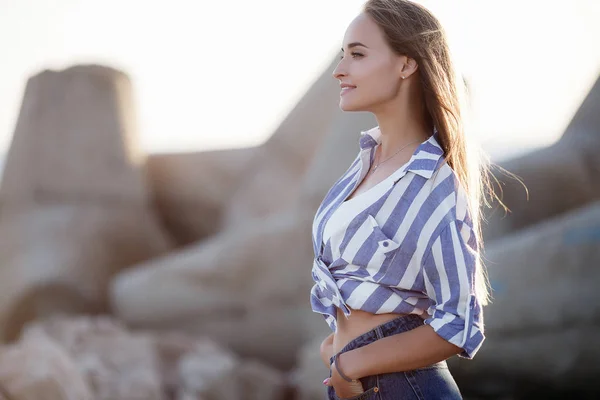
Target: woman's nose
pixel 339 71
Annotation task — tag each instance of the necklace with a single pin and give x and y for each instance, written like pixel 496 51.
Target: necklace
pixel 381 162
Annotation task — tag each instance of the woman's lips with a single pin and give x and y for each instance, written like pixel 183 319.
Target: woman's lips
pixel 347 89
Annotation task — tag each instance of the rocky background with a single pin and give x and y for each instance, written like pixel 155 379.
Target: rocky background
pixel 129 276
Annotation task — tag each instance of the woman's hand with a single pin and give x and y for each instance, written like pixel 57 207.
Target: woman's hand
pixel 343 389
pixel 327 349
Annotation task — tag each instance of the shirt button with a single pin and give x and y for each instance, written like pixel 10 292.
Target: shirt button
pixel 385 244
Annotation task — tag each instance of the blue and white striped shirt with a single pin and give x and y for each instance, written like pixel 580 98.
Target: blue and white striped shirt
pixel 404 246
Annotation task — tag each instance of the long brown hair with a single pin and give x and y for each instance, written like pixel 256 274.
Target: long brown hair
pixel 412 30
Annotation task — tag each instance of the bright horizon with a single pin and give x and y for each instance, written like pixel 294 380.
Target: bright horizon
pixel 194 67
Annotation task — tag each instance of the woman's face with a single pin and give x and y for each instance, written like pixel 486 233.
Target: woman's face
pixel 369 71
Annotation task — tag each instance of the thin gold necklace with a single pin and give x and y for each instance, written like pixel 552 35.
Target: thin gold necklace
pixel 402 148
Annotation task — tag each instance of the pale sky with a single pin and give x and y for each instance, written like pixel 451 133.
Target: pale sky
pixel 223 74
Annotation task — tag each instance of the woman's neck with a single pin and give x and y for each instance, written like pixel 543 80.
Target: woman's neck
pixel 403 120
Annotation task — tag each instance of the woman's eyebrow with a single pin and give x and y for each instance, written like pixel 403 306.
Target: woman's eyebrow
pixel 354 44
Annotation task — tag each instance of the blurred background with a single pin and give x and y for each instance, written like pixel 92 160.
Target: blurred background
pixel 162 162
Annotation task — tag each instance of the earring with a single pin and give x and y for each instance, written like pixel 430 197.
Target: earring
pixel 402 77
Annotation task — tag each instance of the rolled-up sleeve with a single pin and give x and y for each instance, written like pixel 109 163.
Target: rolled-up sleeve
pixel 449 271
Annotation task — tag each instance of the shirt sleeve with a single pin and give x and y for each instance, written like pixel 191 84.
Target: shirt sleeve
pixel 449 272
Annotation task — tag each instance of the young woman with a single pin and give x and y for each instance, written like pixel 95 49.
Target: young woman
pixel 397 238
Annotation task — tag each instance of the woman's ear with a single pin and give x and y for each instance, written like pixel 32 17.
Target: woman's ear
pixel 409 67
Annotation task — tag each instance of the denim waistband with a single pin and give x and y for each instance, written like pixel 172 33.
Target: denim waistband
pixel 401 324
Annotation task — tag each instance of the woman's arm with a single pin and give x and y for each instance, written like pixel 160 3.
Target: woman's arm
pixel 402 352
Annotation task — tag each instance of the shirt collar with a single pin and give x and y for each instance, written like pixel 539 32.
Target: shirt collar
pixel 424 160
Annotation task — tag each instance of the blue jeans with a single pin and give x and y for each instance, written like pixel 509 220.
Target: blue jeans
pixel 433 382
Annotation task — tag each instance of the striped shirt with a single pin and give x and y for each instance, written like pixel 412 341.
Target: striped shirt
pixel 404 246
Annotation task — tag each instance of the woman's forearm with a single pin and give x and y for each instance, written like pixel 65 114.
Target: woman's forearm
pixel 405 351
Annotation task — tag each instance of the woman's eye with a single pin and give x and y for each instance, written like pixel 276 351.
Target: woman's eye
pixel 353 54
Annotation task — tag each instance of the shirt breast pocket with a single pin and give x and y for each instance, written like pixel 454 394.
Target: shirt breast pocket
pixel 369 247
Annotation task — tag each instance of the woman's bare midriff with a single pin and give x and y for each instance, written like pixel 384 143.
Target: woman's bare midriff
pixel 356 324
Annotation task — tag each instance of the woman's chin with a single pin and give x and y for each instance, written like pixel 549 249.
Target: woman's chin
pixel 348 106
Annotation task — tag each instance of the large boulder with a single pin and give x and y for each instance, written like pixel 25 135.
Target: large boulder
pixel 557 179
pixel 190 190
pixel 245 287
pixel 75 205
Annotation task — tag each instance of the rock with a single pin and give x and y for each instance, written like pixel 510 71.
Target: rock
pixel 209 373
pixel 37 368
pixel 228 287
pixel 75 140
pixel 214 376
pixel 75 203
pixel 200 369
pixel 170 348
pixel 569 167
pixel 117 364
pixel 189 189
pixel 542 328
pixel 183 357
pixel 122 365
